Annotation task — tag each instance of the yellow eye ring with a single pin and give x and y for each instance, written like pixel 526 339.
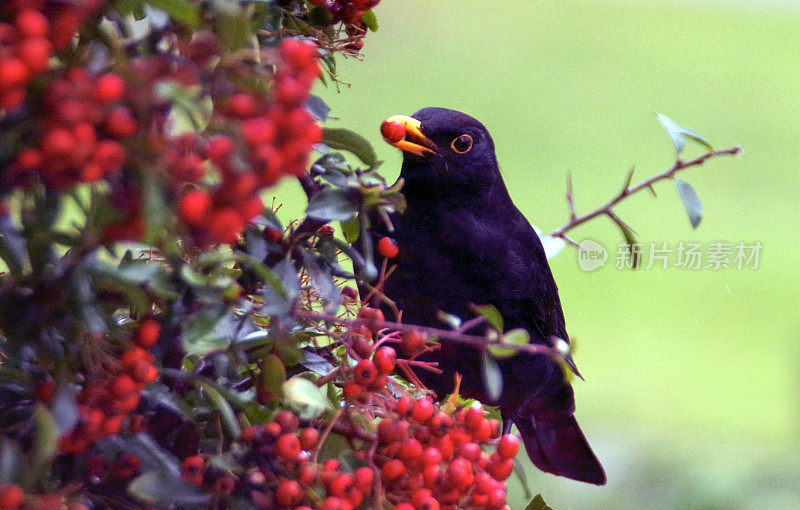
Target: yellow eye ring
pixel 461 144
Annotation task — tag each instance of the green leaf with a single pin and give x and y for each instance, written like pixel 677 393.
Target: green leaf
pixel 332 204
pixel 678 134
pixel 322 281
pixel 225 410
pixel 538 503
pixel 46 443
pixel 491 314
pixel 160 487
pixel 306 397
pixel 183 11
pixel 274 374
pixel 691 202
pixel 519 470
pixel 370 20
pixel 346 140
pixel 517 336
pixel 318 108
pixel 451 320
pixel 492 377
pixel 350 229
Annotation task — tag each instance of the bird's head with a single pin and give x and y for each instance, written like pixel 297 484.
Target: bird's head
pixel 443 148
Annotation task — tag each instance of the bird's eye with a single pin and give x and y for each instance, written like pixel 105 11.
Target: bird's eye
pixel 461 144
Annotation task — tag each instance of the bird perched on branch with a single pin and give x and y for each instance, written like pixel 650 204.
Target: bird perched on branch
pixel 462 242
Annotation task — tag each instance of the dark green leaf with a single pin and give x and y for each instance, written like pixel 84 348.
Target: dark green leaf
pixel 370 20
pixel 274 374
pixel 694 208
pixel 447 318
pixel 183 11
pixel 344 139
pixel 492 377
pixel 12 247
pixel 491 314
pixel 11 460
pixel 332 204
pixel 225 410
pixel 538 503
pixel 64 409
pixel 322 281
pixel 160 487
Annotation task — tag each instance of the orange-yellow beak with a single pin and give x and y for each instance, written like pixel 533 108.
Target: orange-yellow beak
pixel 405 133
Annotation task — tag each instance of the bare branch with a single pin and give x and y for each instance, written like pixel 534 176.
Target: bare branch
pixel 608 208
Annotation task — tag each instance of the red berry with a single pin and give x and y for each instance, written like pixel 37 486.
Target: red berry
pixel 194 206
pixel 147 334
pixel 334 503
pixel 35 53
pixel 258 131
pixel 387 248
pixel 431 456
pixel 58 142
pixel 109 88
pixel 470 451
pixel 121 122
pixel 288 447
pixel 393 470
pixel 501 469
pixel 363 478
pixel 242 105
pixel 219 149
pixel 508 446
pixel 352 390
pixel 11 496
pixel 423 410
pixel 410 450
pixel 308 438
pixel 288 493
pixel 144 372
pixel 413 343
pixel 497 498
pixel 460 472
pixel 474 417
pixel 32 23
pixel 483 433
pixel 123 386
pixel 365 372
pixel 225 226
pixel 287 420
pixel 385 359
pixel 392 131
pixel 339 485
pixel 403 506
pixel 192 469
pixel 110 155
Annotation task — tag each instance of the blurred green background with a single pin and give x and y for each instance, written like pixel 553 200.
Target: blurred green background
pixel 691 395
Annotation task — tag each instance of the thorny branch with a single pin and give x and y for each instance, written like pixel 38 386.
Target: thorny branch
pixel 474 340
pixel 628 190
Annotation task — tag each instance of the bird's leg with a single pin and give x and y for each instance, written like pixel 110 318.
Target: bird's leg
pixel 507 423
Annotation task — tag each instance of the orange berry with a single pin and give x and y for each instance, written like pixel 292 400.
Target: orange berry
pixel 147 334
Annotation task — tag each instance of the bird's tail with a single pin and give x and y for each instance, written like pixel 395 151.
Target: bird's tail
pixel 556 444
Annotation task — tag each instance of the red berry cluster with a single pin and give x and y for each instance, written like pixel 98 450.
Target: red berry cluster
pixel 279 136
pixel 29 38
pixel 103 407
pixel 432 460
pixel 84 123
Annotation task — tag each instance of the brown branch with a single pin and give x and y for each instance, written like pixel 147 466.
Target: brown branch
pixel 627 190
pixel 474 340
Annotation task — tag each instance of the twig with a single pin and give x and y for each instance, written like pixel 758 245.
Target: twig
pixel 627 190
pixel 474 340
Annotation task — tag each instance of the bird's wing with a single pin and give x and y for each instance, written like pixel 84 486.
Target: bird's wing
pixel 532 286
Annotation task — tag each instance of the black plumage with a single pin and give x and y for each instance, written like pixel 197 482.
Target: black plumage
pixel 462 242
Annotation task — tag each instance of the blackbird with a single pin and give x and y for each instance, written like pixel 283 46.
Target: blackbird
pixel 462 242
